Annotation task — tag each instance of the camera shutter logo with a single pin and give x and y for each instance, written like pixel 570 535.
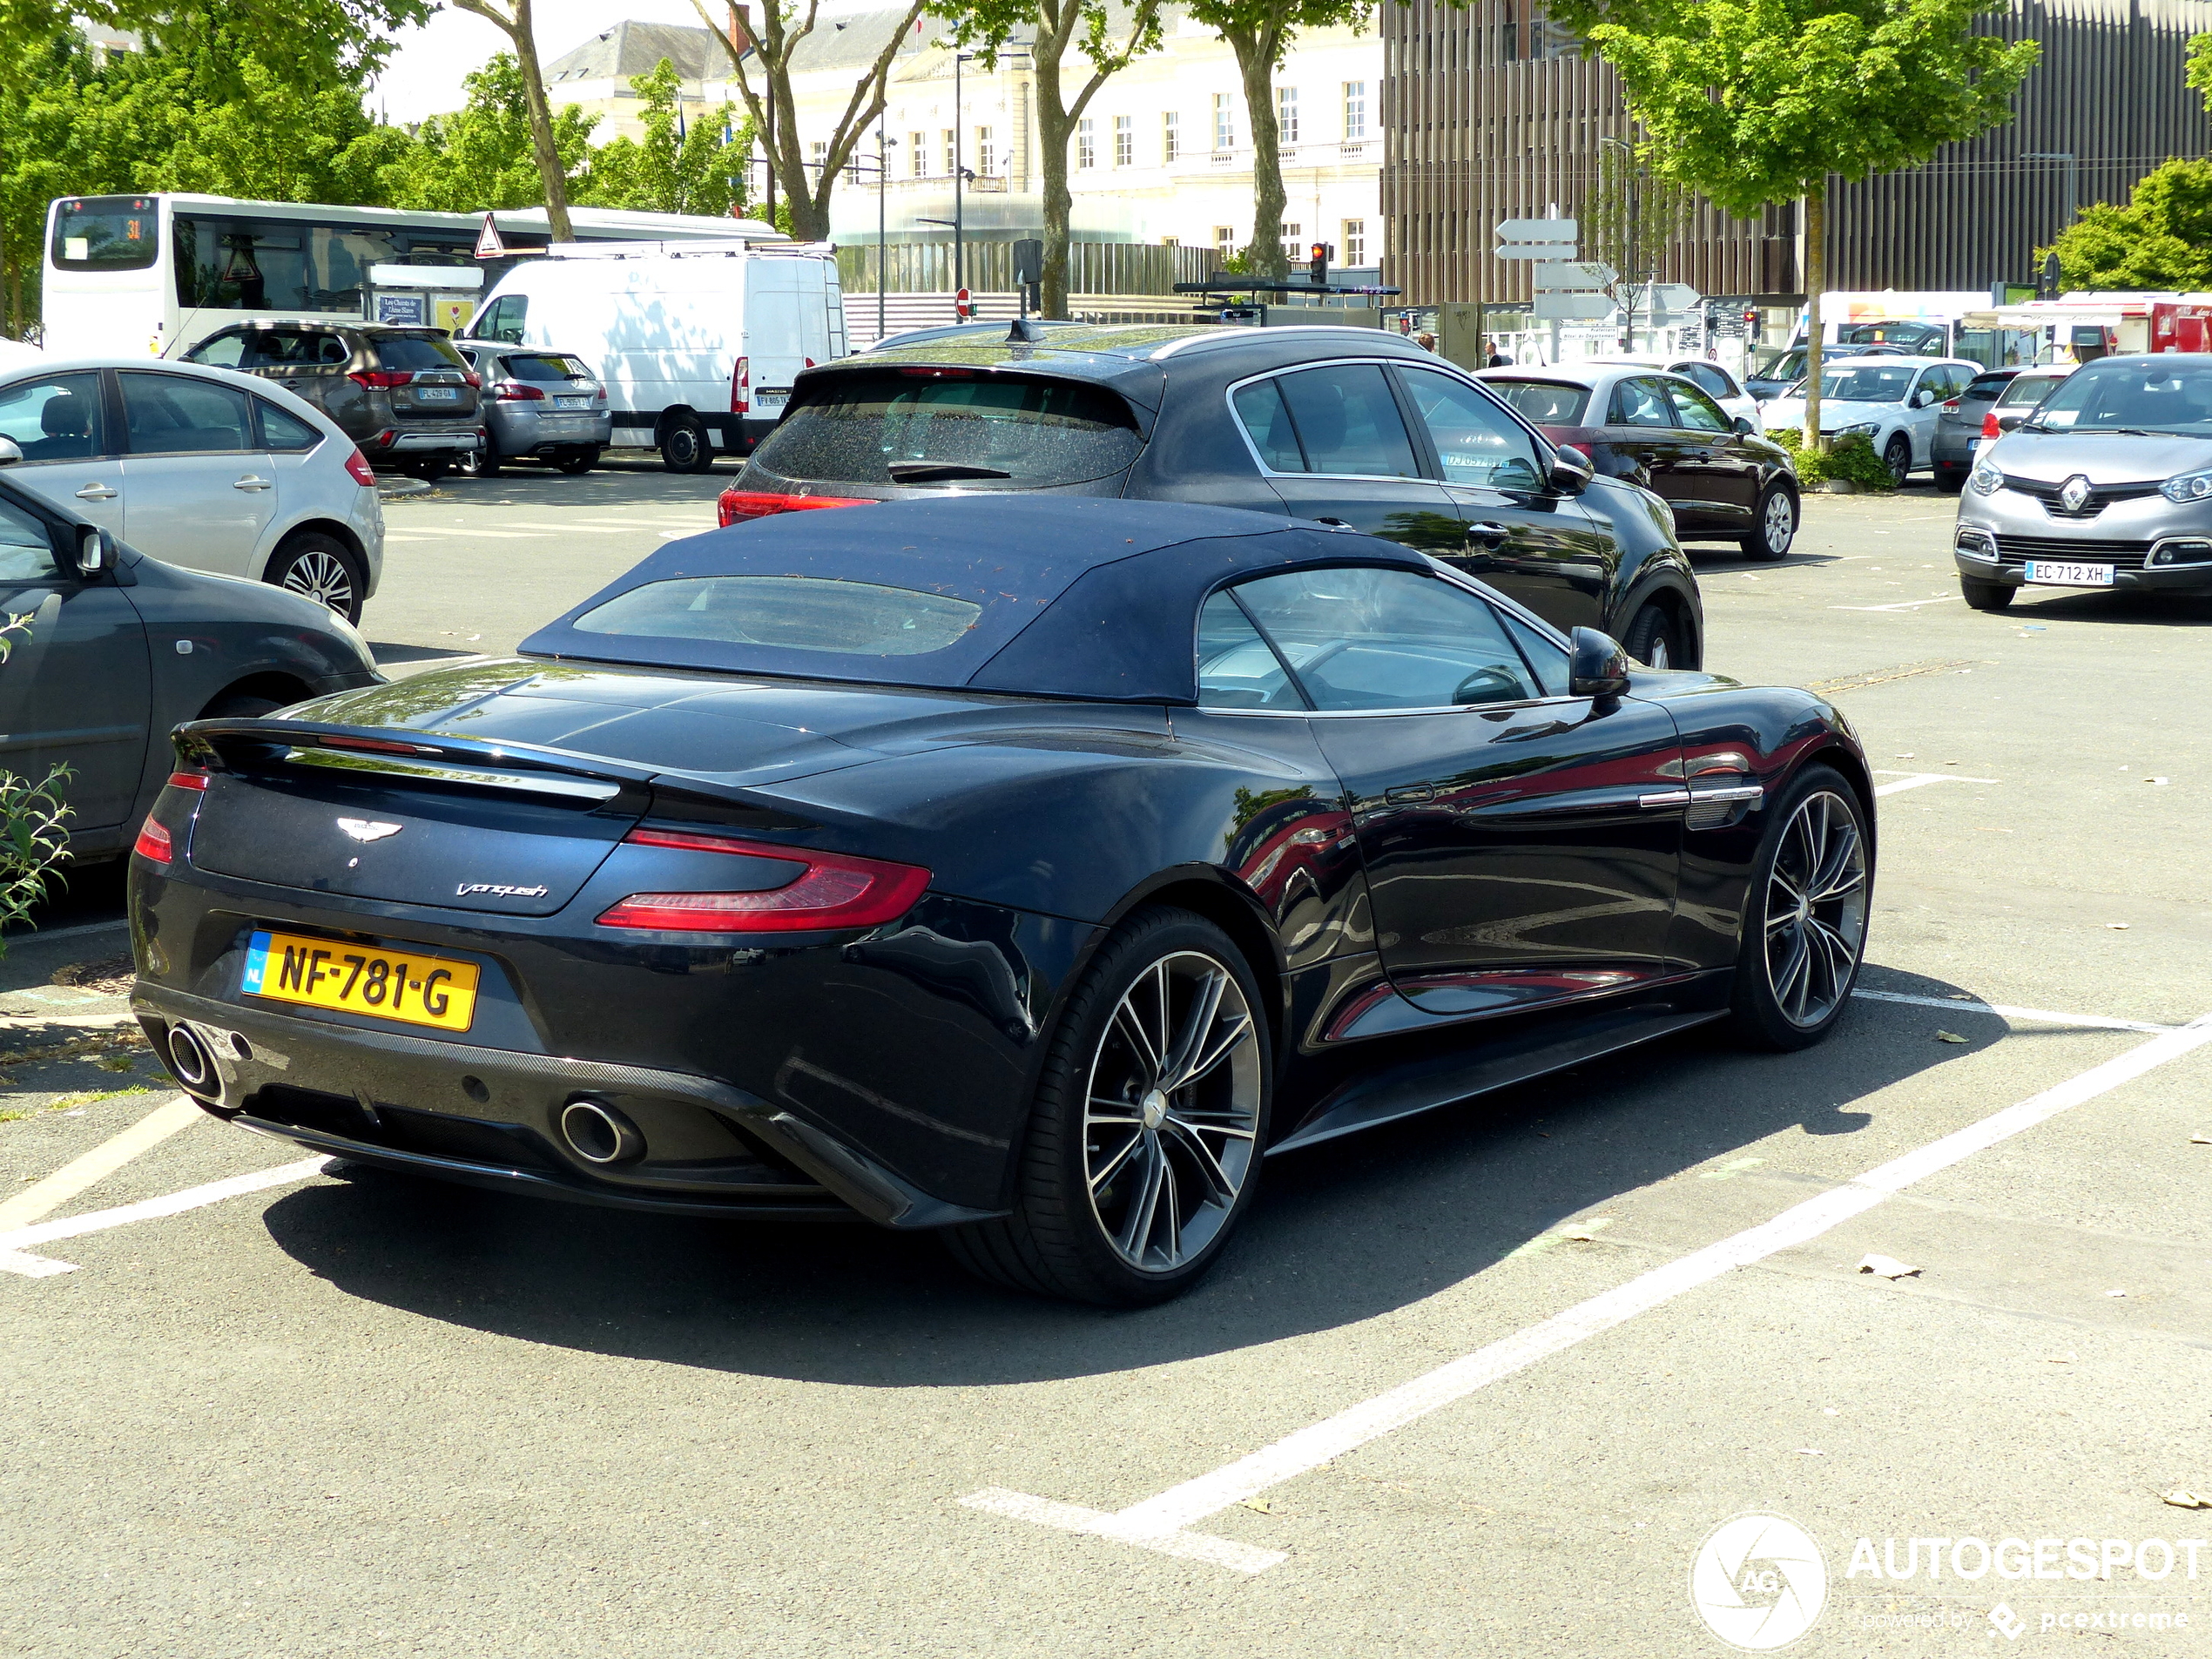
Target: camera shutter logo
pixel 1758 1581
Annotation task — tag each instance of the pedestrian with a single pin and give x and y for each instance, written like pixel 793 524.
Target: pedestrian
pixel 1498 358
pixel 1425 340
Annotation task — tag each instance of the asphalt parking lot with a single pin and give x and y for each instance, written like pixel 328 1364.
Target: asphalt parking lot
pixel 1482 1383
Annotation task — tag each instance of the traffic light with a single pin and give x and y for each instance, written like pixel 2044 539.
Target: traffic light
pixel 1319 268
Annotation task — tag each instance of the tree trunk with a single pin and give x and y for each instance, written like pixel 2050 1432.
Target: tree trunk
pixel 541 120
pixel 1055 126
pixel 1815 278
pixel 1256 67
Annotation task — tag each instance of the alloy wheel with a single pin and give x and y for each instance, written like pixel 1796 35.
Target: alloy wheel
pixel 1171 1114
pixel 1816 909
pixel 1781 523
pixel 323 577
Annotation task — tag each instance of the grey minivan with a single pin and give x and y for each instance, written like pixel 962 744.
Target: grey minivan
pixel 404 395
pixel 2108 484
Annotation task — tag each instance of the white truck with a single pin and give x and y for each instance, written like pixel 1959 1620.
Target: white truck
pixel 698 343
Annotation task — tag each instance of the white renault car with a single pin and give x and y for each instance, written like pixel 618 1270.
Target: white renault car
pixel 1894 402
pixel 200 467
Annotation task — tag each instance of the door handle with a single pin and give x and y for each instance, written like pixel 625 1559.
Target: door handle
pixel 1648 457
pixel 95 492
pixel 1489 536
pixel 251 481
pixel 1407 794
pixel 1333 523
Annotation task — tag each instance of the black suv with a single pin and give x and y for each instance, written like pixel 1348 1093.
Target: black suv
pixel 405 395
pixel 1351 426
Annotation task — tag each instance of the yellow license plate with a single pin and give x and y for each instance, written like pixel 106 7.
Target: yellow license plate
pixel 411 985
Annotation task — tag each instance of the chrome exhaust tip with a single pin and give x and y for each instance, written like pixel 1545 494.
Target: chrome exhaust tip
pixel 189 1060
pixel 599 1133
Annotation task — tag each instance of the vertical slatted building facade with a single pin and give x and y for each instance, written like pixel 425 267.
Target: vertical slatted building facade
pixel 1489 114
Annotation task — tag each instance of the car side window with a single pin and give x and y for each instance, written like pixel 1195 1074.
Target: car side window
pixel 1266 421
pixel 1696 411
pixel 1236 669
pixel 283 431
pixel 1359 638
pixel 1477 442
pixel 504 319
pixel 1641 402
pixel 1347 421
pixel 222 351
pixel 279 348
pixel 26 548
pixel 170 415
pixel 1712 377
pixel 55 417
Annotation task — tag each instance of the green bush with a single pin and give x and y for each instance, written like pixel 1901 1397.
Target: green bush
pixel 1849 457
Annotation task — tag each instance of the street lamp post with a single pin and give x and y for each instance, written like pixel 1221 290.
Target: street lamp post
pixel 883 143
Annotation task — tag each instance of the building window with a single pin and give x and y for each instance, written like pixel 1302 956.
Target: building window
pixel 818 153
pixel 1225 121
pixel 952 151
pixel 1293 236
pixel 1354 242
pixel 1124 141
pixel 1508 34
pixel 1286 115
pixel 1086 144
pixel 1355 110
pixel 918 154
pixel 1224 240
pixel 986 153
pixel 1171 136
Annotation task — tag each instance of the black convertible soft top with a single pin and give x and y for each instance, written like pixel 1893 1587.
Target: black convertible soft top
pixel 1077 597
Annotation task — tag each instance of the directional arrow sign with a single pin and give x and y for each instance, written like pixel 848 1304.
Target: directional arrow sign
pixel 1572 276
pixel 1571 307
pixel 1537 230
pixel 1678 296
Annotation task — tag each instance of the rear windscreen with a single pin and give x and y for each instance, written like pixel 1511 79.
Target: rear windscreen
pixel 791 612
pixel 2027 389
pixel 1543 402
pixel 927 427
pixel 415 351
pixel 104 233
pixel 538 365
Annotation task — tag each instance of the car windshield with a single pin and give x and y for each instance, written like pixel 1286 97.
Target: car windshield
pixel 2165 395
pixel 416 352
pixel 1866 384
pixel 1543 402
pixel 925 426
pixel 791 612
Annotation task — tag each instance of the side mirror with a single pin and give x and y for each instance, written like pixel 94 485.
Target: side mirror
pixel 10 452
pixel 1597 665
pixel 1743 426
pixel 1571 470
pixel 95 551
pixel 1921 400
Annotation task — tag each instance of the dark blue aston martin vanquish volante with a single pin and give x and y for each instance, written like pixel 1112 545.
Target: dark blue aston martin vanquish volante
pixel 1022 867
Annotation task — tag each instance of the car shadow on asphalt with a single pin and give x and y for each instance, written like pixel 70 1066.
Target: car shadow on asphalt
pixel 1342 1233
pixel 2117 609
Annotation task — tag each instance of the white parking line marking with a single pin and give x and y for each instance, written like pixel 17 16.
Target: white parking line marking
pixel 1916 779
pixel 2004 1011
pixel 1903 604
pixel 1161 1522
pixel 429 532
pixel 98 1164
pixel 15 1258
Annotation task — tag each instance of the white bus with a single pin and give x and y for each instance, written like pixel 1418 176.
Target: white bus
pixel 156 273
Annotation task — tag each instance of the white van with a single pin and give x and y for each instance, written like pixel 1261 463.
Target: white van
pixel 697 342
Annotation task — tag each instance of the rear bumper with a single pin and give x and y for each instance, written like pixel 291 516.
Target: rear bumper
pixel 487 1117
pixel 457 442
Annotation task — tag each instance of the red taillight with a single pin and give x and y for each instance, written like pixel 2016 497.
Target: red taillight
pixel 735 506
pixel 1989 427
pixel 153 842
pixel 741 387
pixel 517 392
pixel 363 474
pixel 383 378
pixel 472 379
pixel 187 780
pixel 1952 407
pixel 828 890
pixel 939 373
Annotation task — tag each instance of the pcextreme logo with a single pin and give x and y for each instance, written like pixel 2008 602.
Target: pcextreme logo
pixel 1758 1581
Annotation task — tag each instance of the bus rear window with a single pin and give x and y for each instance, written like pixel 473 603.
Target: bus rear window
pixel 106 234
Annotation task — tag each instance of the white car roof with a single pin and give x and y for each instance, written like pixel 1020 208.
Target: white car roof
pixel 290 402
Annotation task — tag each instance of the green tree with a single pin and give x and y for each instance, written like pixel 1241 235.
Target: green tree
pixel 483 155
pixel 761 56
pixel 698 167
pixel 514 19
pixel 1104 41
pixel 1756 102
pixel 2162 238
pixel 1629 219
pixel 1260 32
pixel 301 40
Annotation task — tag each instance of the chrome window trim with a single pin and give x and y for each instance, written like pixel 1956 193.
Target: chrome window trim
pixel 1228 403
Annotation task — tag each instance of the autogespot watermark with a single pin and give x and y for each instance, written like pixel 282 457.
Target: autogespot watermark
pixel 1759 1581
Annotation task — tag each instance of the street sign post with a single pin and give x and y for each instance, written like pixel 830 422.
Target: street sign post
pixel 1572 276
pixel 1571 307
pixel 1535 238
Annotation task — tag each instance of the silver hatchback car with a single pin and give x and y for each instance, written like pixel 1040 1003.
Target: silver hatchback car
pixel 537 406
pixel 2108 484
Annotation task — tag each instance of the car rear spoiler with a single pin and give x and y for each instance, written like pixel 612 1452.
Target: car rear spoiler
pixel 398 758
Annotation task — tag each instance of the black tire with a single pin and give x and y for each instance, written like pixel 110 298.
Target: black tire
pixel 1987 595
pixel 1773 1008
pixel 685 446
pixel 1771 538
pixel 482 463
pixel 1896 455
pixel 320 568
pixel 1654 631
pixel 577 462
pixel 430 471
pixel 241 705
pixel 1950 480
pixel 1057 1242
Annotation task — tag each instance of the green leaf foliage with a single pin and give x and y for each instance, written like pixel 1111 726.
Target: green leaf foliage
pixel 681 166
pixel 480 156
pixel 1849 457
pixel 2161 239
